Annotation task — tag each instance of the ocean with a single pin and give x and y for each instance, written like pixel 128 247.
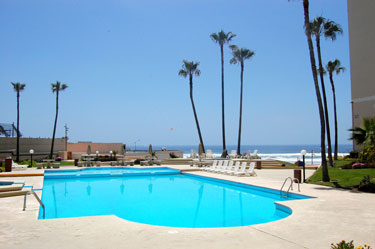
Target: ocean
pixel 286 153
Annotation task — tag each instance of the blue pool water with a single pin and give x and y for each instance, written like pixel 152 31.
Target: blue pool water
pixel 107 172
pixel 176 200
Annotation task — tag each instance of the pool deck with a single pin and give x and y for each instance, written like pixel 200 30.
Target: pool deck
pixel 333 216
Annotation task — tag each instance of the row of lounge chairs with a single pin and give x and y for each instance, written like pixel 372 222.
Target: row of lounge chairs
pixel 247 155
pixel 227 167
pixel 233 154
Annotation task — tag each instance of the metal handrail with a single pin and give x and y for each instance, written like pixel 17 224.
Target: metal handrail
pixel 37 198
pixel 299 190
pixel 290 186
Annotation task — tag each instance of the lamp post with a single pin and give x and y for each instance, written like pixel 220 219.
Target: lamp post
pixel 31 157
pixel 303 153
pixel 110 152
pixel 97 155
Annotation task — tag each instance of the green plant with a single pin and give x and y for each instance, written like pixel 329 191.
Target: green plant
pixel 189 69
pixel 343 245
pixel 366 185
pixel 56 88
pixel 368 153
pixel 353 154
pixel 239 56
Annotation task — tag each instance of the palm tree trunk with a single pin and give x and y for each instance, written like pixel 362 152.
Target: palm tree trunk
pixel 195 113
pixel 18 126
pixel 325 176
pixel 240 121
pixel 222 96
pixel 54 127
pixel 324 101
pixel 335 113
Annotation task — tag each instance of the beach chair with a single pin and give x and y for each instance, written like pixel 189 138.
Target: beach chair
pixel 218 166
pixel 193 155
pixel 214 164
pixel 233 154
pixel 39 165
pixel 229 167
pixel 209 154
pixel 242 169
pixel 235 169
pixel 224 166
pixel 55 165
pixel 250 171
pixel 255 155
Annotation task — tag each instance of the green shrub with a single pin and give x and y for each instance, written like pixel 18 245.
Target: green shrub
pixel 353 154
pixel 366 185
pixel 343 245
pixel 346 166
pixel 367 154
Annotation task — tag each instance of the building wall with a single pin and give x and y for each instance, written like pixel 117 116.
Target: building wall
pixel 41 146
pixel 103 148
pixel 362 59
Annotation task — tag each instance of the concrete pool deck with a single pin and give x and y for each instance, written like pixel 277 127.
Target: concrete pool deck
pixel 333 216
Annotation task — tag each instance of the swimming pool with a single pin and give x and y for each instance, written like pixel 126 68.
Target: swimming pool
pixel 175 200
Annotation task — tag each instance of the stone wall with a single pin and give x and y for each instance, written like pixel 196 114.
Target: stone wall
pixel 41 147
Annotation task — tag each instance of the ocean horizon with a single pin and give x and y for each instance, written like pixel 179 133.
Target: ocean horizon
pixel 286 153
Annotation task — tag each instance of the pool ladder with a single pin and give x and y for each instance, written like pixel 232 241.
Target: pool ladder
pixel 290 186
pixel 37 198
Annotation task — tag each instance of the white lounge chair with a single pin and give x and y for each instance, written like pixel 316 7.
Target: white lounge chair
pixel 219 165
pixel 209 154
pixel 229 167
pixel 225 165
pixel 214 164
pixel 242 169
pixel 250 171
pixel 233 154
pixel 235 169
pixel 193 155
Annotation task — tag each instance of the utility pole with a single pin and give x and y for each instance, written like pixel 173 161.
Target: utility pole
pixel 66 137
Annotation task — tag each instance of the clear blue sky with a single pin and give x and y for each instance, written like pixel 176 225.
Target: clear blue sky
pixel 121 59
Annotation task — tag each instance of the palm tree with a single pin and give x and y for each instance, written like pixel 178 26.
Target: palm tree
pixel 239 56
pixel 366 134
pixel 18 87
pixel 222 38
pixel 325 175
pixel 56 88
pixel 331 67
pixel 330 29
pixel 190 68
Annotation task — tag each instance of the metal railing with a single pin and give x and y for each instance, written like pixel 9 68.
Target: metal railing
pixel 290 186
pixel 37 198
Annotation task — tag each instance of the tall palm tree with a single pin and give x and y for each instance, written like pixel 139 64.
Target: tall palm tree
pixel 57 87
pixel 331 67
pixel 222 38
pixel 18 87
pixel 239 56
pixel 190 68
pixel 325 175
pixel 317 28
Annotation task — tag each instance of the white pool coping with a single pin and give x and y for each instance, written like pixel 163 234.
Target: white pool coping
pixel 334 215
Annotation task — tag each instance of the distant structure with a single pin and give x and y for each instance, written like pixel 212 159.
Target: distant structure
pixel 362 59
pixel 8 130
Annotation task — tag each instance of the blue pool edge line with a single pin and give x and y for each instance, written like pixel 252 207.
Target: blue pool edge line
pixel 250 186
